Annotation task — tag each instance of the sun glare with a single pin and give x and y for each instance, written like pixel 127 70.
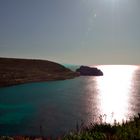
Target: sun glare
pixel 114 91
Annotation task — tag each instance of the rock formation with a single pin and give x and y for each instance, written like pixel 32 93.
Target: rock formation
pixel 89 71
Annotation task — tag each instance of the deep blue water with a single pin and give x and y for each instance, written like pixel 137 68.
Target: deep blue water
pixel 52 108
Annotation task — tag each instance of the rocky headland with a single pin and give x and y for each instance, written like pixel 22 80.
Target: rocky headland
pixel 18 71
pixel 89 71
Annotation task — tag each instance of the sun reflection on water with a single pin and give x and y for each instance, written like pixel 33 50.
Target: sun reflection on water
pixel 114 90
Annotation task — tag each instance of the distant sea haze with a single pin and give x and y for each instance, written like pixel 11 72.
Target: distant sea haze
pixel 58 106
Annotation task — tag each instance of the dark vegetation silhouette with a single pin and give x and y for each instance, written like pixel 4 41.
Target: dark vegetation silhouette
pixel 128 130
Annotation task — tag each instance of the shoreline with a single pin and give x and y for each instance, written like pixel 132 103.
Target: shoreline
pixel 14 71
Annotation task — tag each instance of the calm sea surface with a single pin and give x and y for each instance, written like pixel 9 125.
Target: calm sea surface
pixel 52 108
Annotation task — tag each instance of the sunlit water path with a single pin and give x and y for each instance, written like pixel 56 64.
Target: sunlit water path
pixel 56 107
pixel 115 90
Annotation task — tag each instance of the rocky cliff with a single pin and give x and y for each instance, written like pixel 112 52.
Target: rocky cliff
pixel 89 71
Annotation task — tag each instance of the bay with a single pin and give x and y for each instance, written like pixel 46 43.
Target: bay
pixel 54 108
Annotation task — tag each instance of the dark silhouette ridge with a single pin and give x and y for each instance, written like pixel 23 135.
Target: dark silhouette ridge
pixel 18 71
pixel 89 71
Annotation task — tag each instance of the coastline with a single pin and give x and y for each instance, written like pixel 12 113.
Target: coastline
pixel 14 71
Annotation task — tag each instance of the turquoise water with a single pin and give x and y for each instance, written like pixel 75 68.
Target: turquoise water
pixel 52 108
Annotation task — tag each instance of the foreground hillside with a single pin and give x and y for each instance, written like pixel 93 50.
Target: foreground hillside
pixel 17 71
pixel 125 131
pixel 128 130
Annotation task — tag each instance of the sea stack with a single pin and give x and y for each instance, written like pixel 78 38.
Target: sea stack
pixel 89 71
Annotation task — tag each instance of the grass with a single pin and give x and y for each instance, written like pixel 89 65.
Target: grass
pixel 129 130
pixel 125 131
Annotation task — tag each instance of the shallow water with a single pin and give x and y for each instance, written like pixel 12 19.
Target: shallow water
pixel 52 108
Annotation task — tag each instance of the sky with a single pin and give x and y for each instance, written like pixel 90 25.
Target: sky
pixel 71 31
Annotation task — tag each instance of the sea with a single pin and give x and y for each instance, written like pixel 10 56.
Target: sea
pixel 58 107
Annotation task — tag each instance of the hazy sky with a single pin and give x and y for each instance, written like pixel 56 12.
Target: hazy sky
pixel 71 31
